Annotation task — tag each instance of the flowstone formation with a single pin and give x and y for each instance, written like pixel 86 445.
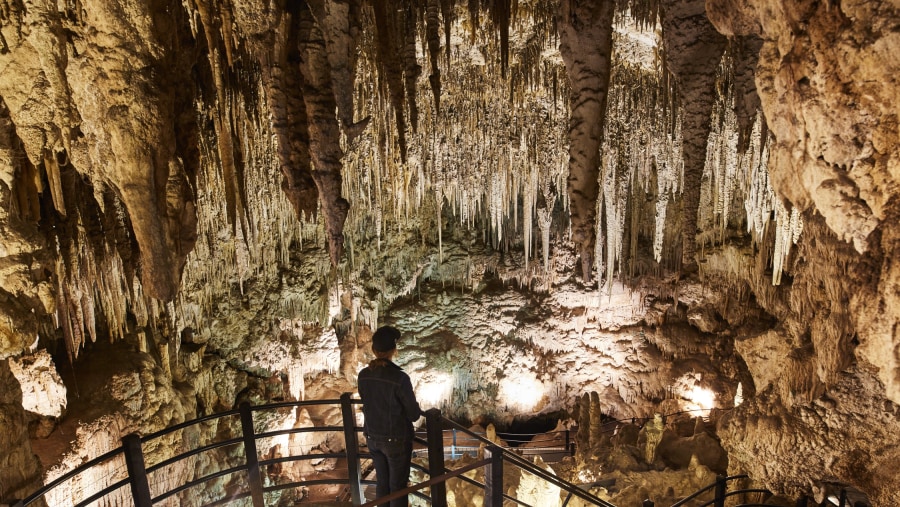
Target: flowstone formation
pixel 656 201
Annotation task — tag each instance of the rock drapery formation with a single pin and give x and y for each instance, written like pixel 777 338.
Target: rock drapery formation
pixel 171 173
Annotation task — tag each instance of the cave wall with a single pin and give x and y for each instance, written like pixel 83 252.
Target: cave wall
pixel 161 165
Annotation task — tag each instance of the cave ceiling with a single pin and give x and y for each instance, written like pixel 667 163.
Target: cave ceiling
pixel 169 168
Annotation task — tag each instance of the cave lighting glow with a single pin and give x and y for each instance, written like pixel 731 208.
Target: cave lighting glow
pixel 434 389
pixel 692 395
pixel 282 443
pixel 521 392
pixel 703 398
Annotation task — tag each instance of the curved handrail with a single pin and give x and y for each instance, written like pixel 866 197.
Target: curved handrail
pixel 252 465
pixel 196 482
pixel 531 468
pixel 100 494
pixel 720 486
pixel 194 452
pixel 430 482
pixel 72 473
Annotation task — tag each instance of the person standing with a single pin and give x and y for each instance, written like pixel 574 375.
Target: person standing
pixel 389 408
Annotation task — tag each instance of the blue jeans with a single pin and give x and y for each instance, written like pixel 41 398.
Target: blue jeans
pixel 391 458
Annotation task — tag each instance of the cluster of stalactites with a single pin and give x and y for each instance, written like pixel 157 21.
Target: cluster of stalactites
pixel 494 154
pixel 641 159
pixel 95 290
pixel 737 186
pixel 225 256
pixel 643 13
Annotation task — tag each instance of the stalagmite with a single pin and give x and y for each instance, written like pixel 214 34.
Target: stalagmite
pixel 596 419
pixel 653 433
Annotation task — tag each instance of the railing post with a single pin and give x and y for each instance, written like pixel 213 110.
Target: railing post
pixel 453 445
pixel 137 473
pixel 435 434
pixel 253 475
pixel 721 487
pixel 493 477
pixel 351 443
pixel 843 501
pixel 647 503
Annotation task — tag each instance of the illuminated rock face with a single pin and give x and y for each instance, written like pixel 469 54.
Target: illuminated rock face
pixel 238 193
pixel 19 468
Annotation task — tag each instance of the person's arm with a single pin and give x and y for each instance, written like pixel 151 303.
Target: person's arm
pixel 408 399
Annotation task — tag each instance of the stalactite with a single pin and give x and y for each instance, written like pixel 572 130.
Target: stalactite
pixel 644 13
pixel 479 149
pixel 340 25
pixel 463 162
pixel 223 120
pixel 693 49
pixel 92 279
pixel 389 27
pixel 736 173
pixel 411 69
pixel 51 167
pixel 432 24
pixel 586 30
pixel 501 17
pixel 325 148
pixel 224 255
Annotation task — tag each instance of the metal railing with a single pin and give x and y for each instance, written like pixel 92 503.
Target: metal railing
pixel 132 479
pixel 494 492
pixel 458 443
pixel 134 474
pixel 721 493
pixel 136 478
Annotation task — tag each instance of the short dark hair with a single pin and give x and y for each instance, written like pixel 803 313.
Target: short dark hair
pixel 385 339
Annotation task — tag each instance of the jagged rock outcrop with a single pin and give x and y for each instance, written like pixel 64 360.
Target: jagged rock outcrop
pixel 826 81
pixel 19 466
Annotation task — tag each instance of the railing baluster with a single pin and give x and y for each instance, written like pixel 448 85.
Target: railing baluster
pixel 435 436
pixel 453 446
pixel 253 475
pixel 351 443
pixel 137 473
pixel 493 477
pixel 721 488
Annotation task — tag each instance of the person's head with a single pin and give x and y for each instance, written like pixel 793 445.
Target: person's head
pixel 384 341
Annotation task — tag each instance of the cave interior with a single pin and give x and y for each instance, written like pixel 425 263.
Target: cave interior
pixel 678 213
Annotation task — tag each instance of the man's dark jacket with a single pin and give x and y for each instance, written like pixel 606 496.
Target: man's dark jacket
pixel 389 404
